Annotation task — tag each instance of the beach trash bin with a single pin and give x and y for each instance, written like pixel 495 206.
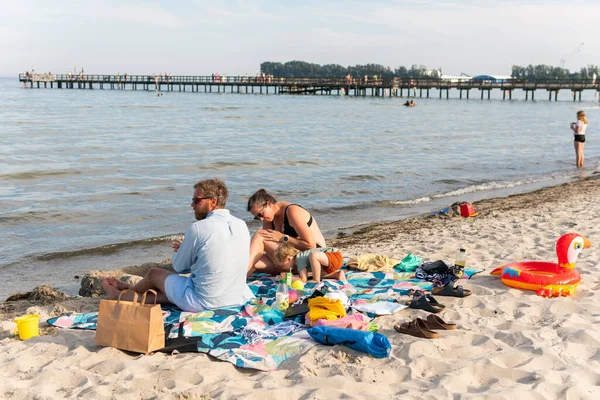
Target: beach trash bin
pixel 27 326
pixel 467 210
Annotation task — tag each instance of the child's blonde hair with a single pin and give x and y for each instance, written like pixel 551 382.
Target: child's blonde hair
pixel 284 251
pixel 581 116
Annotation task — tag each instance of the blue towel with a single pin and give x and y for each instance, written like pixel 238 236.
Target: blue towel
pixel 373 343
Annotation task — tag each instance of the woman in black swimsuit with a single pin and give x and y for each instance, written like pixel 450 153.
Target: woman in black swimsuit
pixel 281 222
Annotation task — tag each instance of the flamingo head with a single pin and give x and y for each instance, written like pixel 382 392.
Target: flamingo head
pixel 568 247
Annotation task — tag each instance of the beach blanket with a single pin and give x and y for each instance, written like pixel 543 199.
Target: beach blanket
pixel 252 336
pixel 255 335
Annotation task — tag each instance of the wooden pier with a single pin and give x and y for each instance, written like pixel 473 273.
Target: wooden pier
pixel 395 87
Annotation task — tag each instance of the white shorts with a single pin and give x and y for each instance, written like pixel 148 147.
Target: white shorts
pixel 180 291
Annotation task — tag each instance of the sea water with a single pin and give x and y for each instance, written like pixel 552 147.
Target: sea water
pixel 101 179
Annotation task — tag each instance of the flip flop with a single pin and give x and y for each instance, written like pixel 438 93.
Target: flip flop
pixel 436 323
pixel 449 290
pixel 417 328
pixel 421 302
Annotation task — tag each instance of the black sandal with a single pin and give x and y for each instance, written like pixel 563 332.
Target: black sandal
pixel 434 302
pixel 450 290
pixel 421 302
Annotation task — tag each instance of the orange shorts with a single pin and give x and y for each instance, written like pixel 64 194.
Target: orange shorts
pixel 335 261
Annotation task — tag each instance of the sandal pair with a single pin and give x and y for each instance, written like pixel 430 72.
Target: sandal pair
pixel 424 329
pixel 450 290
pixel 427 302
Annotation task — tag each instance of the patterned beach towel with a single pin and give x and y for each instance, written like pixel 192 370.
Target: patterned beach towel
pixel 255 335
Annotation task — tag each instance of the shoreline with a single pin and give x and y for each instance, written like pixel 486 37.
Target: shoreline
pixel 127 254
pixel 509 343
pixel 489 207
pixel 354 218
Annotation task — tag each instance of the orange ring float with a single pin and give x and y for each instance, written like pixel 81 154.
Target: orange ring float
pixel 546 278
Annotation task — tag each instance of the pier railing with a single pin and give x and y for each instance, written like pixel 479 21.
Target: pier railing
pixel 308 85
pixel 384 82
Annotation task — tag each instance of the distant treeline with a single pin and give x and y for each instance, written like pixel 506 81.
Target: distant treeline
pixel 297 69
pixel 549 72
pixel 301 69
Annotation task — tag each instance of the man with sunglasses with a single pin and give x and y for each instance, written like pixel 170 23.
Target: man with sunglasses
pixel 214 251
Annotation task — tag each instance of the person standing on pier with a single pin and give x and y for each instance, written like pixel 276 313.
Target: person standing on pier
pixel 579 129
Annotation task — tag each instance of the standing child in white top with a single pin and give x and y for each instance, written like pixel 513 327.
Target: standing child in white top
pixel 579 129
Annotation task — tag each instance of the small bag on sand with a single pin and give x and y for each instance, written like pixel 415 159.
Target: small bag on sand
pixel 130 325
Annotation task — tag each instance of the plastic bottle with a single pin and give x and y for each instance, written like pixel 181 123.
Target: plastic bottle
pixel 459 264
pixel 288 279
pixel 282 297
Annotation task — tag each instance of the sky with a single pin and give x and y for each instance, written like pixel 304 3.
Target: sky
pixel 194 37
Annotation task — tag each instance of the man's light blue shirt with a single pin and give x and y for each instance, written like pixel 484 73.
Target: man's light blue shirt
pixel 216 251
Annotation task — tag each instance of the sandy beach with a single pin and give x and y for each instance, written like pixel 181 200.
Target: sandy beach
pixel 509 343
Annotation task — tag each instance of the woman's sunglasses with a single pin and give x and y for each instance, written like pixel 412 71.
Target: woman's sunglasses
pixel 260 215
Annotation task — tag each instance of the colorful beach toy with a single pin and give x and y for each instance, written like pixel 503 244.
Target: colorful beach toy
pixel 548 279
pixel 467 210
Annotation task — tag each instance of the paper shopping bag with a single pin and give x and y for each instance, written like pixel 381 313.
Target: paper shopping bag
pixel 130 325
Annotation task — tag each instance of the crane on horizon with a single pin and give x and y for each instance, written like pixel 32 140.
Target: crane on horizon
pixel 564 60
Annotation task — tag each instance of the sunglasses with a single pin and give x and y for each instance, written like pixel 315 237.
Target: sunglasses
pixel 196 200
pixel 260 215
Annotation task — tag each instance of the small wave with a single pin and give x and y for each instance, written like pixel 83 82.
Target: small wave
pixel 297 163
pixel 226 108
pixel 133 194
pixel 350 207
pixel 448 181
pixel 38 174
pixel 298 193
pixel 27 123
pixel 484 186
pixel 363 178
pixel 227 164
pixel 37 216
pixel 107 249
pixel 480 187
pixel 232 164
pixel 143 107
pixel 456 168
pixel 412 201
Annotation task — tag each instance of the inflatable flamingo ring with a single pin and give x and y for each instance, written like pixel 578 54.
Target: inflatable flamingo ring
pixel 546 278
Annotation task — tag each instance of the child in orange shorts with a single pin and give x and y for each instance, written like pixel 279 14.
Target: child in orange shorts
pixel 324 262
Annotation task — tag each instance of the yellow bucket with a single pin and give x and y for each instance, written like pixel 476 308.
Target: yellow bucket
pixel 27 326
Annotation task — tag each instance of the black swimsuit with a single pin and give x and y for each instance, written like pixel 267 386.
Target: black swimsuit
pixel 287 228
